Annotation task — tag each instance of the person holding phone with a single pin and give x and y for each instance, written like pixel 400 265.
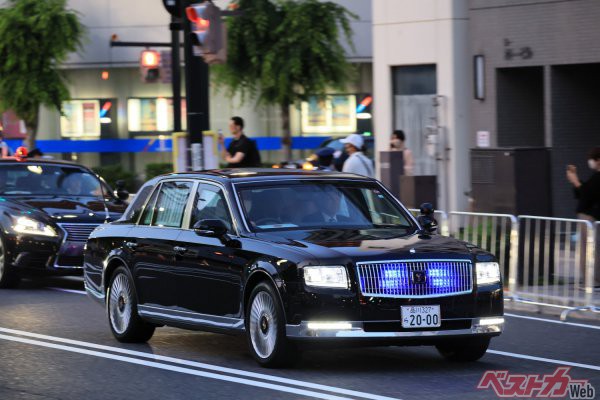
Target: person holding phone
pixel 588 192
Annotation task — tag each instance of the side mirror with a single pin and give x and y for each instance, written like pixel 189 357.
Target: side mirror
pixel 210 227
pixel 426 218
pixel 120 192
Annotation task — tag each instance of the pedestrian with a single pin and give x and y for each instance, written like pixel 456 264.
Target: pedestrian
pixel 4 149
pixel 357 162
pixel 398 143
pixel 242 152
pixel 587 193
pixel 325 159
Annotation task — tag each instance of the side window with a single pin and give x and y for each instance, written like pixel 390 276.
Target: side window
pixel 149 210
pixel 135 207
pixel 210 203
pixel 170 205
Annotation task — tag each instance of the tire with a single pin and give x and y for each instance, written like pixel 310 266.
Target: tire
pixel 464 350
pixel 265 329
pixel 8 279
pixel 121 306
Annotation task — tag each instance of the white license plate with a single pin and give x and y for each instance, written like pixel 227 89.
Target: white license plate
pixel 421 316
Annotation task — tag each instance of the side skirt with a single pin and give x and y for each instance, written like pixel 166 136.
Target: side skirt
pixel 191 320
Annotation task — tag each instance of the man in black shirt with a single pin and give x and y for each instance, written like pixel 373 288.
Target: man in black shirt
pixel 241 152
pixel 587 192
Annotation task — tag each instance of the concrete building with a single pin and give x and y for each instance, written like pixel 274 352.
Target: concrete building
pixel 104 77
pixel 421 79
pixel 541 84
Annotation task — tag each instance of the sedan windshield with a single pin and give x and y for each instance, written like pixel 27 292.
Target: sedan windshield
pixel 323 204
pixel 23 179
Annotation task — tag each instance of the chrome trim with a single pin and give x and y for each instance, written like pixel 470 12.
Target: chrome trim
pixel 302 331
pixel 61 225
pixel 194 318
pixel 414 296
pixel 64 240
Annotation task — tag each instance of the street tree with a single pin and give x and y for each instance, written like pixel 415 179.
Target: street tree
pixel 280 52
pixel 36 37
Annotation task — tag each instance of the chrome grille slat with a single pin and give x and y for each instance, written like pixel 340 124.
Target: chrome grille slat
pixel 77 232
pixel 395 278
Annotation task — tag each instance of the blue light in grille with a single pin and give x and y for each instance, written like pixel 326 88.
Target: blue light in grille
pixel 441 277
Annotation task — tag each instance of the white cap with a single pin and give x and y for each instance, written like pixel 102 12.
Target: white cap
pixel 355 140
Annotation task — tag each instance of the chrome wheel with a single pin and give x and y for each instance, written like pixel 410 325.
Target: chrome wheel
pixel 263 324
pixel 119 304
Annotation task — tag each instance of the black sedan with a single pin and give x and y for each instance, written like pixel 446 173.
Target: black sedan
pixel 290 259
pixel 47 211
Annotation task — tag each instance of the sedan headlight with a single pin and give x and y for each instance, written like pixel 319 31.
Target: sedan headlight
pixel 487 273
pixel 326 276
pixel 32 227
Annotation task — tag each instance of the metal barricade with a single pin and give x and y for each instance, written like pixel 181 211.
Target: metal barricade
pixel 556 262
pixel 496 233
pixel 440 216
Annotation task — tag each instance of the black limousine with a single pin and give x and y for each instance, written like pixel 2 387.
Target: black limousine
pixel 288 257
pixel 47 210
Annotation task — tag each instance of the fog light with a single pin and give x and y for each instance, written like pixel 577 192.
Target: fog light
pixel 339 326
pixel 491 321
pixel 488 325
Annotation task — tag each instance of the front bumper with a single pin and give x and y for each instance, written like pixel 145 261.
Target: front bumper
pixel 488 326
pixel 31 254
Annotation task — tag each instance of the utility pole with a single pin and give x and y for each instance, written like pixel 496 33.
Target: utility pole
pixel 196 84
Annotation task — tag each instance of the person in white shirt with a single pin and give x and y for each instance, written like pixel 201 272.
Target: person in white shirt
pixel 357 162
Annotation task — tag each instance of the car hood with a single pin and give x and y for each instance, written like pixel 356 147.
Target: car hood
pixel 374 244
pixel 82 209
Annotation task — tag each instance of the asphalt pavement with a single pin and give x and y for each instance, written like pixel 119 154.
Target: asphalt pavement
pixel 55 344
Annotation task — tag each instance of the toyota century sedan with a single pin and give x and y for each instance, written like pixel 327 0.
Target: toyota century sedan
pixel 47 210
pixel 291 259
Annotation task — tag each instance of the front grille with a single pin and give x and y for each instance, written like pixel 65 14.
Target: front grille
pixel 78 232
pixel 415 279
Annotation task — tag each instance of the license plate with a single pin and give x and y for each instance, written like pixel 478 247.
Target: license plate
pixel 421 316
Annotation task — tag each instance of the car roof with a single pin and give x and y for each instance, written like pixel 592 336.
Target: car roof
pixel 263 174
pixel 40 161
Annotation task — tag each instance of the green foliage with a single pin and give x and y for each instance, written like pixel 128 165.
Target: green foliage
pixel 113 173
pixel 35 38
pixel 156 169
pixel 283 51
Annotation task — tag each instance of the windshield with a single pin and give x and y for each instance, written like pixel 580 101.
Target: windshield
pixel 19 179
pixel 311 205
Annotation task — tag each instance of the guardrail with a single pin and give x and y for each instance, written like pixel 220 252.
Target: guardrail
pixel 548 261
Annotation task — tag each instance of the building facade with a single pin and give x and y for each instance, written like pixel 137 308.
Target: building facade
pixel 421 73
pixel 541 84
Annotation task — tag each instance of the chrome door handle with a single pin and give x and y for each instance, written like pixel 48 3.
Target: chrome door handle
pixel 131 245
pixel 179 249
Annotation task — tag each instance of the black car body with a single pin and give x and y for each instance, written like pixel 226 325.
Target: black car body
pixel 47 211
pixel 214 251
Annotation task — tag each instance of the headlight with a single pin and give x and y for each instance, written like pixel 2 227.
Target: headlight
pixel 31 226
pixel 487 273
pixel 330 277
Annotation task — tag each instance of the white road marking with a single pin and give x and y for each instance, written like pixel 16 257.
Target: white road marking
pixel 188 363
pixel 68 290
pixel 546 360
pixel 173 368
pixel 553 321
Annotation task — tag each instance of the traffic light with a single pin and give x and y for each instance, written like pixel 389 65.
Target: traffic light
pixel 207 31
pixel 150 65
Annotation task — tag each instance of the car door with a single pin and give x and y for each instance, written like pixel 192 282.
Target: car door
pixel 210 268
pixel 153 243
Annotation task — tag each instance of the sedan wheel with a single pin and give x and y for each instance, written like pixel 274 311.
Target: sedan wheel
pixel 125 323
pixel 8 279
pixel 265 329
pixel 464 350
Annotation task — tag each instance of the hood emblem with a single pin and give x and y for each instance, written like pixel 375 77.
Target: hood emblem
pixel 412 251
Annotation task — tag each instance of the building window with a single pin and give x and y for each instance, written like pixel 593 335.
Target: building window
pixel 415 79
pixel 150 115
pixel 331 114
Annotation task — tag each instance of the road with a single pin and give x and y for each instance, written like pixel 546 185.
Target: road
pixel 55 344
